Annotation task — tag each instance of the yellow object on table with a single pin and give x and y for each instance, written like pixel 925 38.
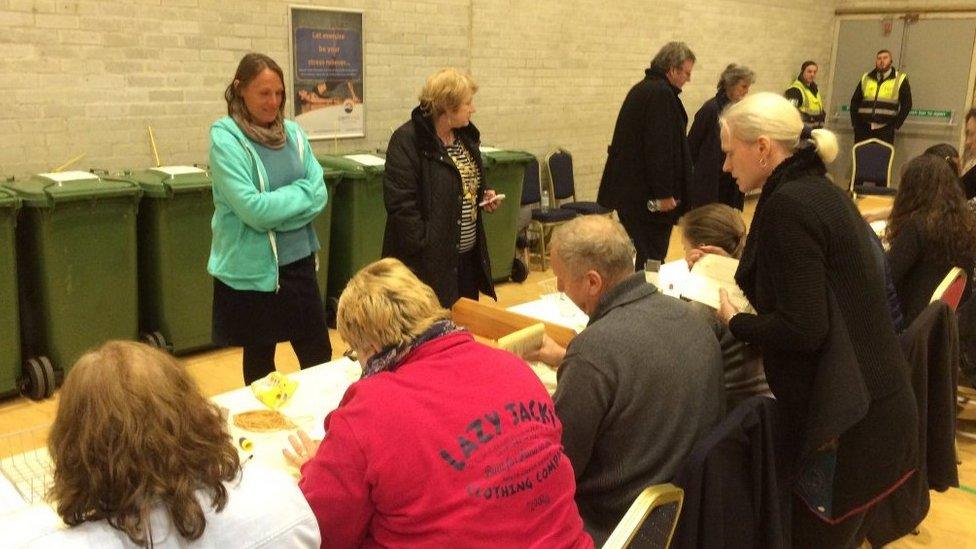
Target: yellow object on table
pixel 274 390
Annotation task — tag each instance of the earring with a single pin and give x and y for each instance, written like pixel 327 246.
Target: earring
pixel 762 161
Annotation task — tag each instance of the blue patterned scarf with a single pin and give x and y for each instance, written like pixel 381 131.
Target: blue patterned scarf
pixel 390 358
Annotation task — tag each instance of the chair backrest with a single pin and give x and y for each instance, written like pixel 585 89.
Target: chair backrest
pixel 531 190
pixel 951 288
pixel 650 521
pixel 873 159
pixel 560 165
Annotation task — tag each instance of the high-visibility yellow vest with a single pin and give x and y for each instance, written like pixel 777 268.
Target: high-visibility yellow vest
pixel 881 98
pixel 812 105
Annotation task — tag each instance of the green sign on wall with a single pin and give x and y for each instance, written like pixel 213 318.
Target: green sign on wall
pixel 920 113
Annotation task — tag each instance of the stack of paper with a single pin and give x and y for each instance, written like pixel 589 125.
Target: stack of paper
pixel 524 341
pixel 702 283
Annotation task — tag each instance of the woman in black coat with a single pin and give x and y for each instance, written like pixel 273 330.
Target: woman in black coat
pixel 830 352
pixel 435 190
pixel 710 183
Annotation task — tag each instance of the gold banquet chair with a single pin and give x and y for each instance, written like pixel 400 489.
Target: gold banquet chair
pixel 650 521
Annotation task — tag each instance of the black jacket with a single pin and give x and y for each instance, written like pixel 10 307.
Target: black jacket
pixel 422 192
pixel 829 347
pixel 710 183
pixel 649 156
pixel 862 123
pixel 735 484
pixel 931 345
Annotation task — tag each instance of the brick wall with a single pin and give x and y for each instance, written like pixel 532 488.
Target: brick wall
pixel 87 76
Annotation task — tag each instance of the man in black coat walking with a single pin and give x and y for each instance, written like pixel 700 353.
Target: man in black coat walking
pixel 649 164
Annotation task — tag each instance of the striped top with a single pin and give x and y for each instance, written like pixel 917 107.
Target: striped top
pixel 470 181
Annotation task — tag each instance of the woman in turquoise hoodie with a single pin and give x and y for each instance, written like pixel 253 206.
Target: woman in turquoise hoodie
pixel 267 189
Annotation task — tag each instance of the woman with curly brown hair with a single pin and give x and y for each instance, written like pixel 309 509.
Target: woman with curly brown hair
pixel 142 458
pixel 931 230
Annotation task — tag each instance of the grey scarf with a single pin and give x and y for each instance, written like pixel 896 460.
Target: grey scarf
pixel 272 137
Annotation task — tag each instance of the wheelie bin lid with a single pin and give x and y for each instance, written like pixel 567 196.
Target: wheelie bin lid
pixel 46 189
pixel 355 166
pixel 165 181
pixel 494 156
pixel 9 199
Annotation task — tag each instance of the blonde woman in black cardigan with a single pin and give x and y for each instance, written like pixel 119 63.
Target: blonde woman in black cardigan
pixel 830 351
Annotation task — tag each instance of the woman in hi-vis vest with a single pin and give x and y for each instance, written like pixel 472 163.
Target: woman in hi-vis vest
pixel 805 96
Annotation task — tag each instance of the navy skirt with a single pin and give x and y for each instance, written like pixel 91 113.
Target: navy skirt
pixel 246 317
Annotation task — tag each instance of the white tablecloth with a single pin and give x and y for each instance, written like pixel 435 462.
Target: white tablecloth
pixel 319 391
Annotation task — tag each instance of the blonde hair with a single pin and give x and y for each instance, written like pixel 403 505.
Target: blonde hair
pixel 773 116
pixel 595 242
pixel 133 432
pixel 384 305
pixel 715 225
pixel 445 91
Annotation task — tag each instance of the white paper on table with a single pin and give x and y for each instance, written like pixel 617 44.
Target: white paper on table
pixel 367 159
pixel 489 149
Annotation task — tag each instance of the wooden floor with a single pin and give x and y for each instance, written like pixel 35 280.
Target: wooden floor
pixel 951 522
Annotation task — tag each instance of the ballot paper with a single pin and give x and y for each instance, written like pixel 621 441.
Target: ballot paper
pixel 524 341
pixel 702 283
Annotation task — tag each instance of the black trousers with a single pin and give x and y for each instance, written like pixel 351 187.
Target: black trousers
pixel 469 274
pixel 651 236
pixel 730 195
pixel 886 134
pixel 312 351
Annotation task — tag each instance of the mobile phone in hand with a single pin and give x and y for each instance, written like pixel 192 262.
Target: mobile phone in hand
pixel 496 198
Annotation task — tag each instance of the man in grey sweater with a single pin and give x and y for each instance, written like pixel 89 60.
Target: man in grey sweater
pixel 639 386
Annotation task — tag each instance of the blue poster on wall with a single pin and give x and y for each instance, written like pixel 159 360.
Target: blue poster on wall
pixel 328 72
pixel 323 54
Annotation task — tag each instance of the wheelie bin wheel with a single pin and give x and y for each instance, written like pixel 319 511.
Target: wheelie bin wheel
pixel 520 271
pixel 34 382
pixel 50 379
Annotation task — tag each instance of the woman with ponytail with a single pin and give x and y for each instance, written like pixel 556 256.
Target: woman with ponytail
pixel 830 352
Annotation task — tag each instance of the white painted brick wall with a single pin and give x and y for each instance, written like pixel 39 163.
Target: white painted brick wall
pixel 87 76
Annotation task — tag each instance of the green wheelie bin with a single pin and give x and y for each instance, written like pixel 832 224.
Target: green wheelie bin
pixel 358 218
pixel 76 256
pixel 175 290
pixel 10 366
pixel 323 230
pixel 504 170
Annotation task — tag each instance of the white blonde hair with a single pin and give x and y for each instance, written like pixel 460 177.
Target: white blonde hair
pixel 773 116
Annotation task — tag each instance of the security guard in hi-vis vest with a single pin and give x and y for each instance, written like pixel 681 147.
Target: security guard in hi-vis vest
pixel 881 101
pixel 805 96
